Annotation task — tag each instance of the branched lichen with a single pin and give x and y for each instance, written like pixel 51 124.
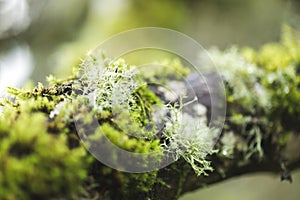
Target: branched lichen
pixel 41 156
pixel 113 86
pixel 262 89
pixel 188 138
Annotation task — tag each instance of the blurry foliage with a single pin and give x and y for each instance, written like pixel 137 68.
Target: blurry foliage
pixel 49 26
pixel 167 13
pixel 282 64
pixel 262 90
pixel 218 22
pixel 57 38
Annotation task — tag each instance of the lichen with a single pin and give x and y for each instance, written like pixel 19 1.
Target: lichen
pixel 41 155
pixel 262 89
pixel 114 87
pixel 128 108
pixel 188 138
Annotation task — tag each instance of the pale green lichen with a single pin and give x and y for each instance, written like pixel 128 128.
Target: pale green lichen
pixel 228 142
pixel 164 71
pixel 188 138
pixel 242 79
pixel 41 156
pixel 262 89
pixel 114 86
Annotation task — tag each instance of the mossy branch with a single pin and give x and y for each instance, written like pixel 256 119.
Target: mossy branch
pixel 41 151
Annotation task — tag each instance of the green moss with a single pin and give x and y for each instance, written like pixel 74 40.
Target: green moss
pixel 164 71
pixel 33 163
pixel 126 142
pixel 41 155
pixel 280 63
pixel 140 182
pixel 125 106
pixel 262 89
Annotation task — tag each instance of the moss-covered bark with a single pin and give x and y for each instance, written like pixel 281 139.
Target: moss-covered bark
pixel 41 155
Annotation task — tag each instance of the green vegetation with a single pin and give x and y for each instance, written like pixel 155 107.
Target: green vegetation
pixel 262 90
pixel 34 162
pixel 41 155
pixel 127 111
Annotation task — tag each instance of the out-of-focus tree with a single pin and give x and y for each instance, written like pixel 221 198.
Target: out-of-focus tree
pixel 37 28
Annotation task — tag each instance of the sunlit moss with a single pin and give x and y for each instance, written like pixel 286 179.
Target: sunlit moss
pixel 41 156
pixel 33 163
pixel 262 88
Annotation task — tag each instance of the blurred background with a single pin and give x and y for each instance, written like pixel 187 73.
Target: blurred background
pixel 42 37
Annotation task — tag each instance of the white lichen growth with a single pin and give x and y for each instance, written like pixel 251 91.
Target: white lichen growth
pixel 241 75
pixel 228 140
pixel 111 85
pixel 189 138
pixel 57 109
pixel 108 83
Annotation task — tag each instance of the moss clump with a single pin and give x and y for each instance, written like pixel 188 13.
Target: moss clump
pixel 164 71
pixel 33 163
pixel 262 89
pixel 128 143
pixel 281 64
